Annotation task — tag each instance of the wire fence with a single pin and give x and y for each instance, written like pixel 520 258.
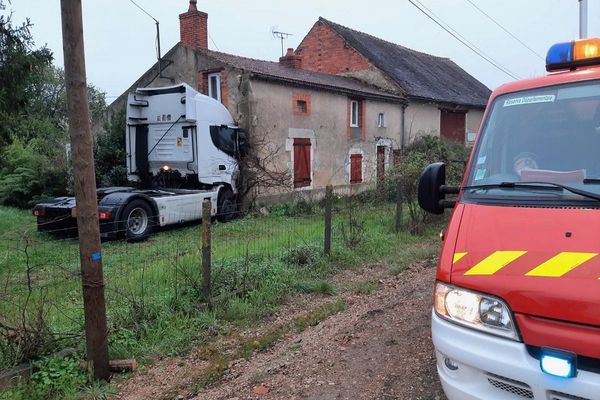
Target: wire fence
pixel 41 307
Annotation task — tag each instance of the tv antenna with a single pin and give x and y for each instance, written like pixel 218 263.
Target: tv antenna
pixel 282 36
pixel 157 36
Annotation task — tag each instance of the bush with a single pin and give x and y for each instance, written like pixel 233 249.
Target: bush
pixel 31 172
pixel 416 156
pixel 110 153
pixel 302 256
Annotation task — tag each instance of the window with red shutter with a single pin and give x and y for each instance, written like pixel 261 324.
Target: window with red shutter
pixel 302 164
pixel 356 168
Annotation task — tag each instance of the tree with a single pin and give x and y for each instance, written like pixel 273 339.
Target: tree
pixel 109 152
pixel 33 119
pixel 21 66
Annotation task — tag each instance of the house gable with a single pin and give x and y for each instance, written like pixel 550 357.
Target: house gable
pixel 324 50
pixel 333 48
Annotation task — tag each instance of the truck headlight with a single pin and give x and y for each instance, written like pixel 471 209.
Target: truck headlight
pixel 474 310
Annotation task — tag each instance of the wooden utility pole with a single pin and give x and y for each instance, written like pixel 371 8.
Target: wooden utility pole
pixel 85 189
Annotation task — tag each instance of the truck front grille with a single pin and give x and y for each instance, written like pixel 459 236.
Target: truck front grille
pixel 564 396
pixel 517 388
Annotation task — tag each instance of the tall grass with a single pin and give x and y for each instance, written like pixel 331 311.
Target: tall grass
pixel 154 301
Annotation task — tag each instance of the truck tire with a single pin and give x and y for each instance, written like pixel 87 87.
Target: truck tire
pixel 226 207
pixel 138 221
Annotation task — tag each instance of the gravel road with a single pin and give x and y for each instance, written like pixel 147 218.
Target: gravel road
pixel 378 348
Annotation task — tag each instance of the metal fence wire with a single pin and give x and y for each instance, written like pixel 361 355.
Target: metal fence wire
pixel 40 281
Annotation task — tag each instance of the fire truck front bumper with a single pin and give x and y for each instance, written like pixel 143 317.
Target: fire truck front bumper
pixel 475 365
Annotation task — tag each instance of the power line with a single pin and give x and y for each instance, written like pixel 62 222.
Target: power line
pixel 213 42
pixel 507 31
pixel 144 11
pixel 430 14
pixel 461 39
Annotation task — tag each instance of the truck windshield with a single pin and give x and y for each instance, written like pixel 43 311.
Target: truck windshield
pixel 538 144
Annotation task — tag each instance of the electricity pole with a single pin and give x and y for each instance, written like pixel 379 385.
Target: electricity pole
pixel 583 19
pixel 85 189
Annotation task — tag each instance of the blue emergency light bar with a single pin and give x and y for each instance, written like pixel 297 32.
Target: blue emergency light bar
pixel 570 55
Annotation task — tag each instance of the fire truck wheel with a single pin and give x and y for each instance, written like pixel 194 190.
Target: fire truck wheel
pixel 226 207
pixel 138 221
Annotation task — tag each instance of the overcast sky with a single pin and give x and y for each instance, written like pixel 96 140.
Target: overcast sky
pixel 120 39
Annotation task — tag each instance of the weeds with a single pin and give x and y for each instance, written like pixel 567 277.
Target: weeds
pixel 153 298
pixel 363 287
pixel 319 287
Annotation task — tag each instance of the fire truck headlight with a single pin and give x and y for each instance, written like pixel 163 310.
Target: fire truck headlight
pixel 474 310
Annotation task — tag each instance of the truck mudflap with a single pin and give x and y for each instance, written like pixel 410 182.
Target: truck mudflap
pixel 474 365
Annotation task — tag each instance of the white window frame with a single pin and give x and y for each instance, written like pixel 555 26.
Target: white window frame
pixel 381 120
pixel 354 114
pixel 216 75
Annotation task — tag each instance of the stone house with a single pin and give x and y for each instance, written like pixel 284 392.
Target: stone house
pixel 442 98
pixel 333 111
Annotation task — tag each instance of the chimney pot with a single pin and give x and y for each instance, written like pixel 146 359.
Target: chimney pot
pixel 291 59
pixel 193 28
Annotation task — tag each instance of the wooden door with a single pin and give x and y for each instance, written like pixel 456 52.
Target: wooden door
pixel 356 168
pixel 380 163
pixel 453 125
pixel 302 164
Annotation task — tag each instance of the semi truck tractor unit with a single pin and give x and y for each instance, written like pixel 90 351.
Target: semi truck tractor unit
pixel 517 299
pixel 182 148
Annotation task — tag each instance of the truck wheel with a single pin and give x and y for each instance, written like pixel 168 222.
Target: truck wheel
pixel 226 207
pixel 138 221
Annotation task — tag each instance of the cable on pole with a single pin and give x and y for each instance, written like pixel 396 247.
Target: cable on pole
pixel 429 14
pixel 507 31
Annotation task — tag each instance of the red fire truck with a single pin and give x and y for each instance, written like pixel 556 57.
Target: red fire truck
pixel 517 298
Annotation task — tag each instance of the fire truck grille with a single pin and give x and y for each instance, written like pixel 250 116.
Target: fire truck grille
pixel 511 386
pixel 564 396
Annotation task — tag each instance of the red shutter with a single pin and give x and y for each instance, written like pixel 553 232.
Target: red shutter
pixel 301 163
pixel 453 125
pixel 356 168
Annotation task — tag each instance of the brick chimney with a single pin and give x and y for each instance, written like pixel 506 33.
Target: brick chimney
pixel 291 59
pixel 193 28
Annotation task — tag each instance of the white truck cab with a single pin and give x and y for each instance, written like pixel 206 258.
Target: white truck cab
pixel 182 148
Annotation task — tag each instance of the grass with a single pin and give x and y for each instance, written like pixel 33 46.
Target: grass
pixel 153 288
pixel 363 287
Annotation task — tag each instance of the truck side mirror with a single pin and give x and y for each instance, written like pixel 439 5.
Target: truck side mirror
pixel 432 189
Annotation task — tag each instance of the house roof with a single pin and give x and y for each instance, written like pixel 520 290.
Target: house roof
pixel 421 75
pixel 271 70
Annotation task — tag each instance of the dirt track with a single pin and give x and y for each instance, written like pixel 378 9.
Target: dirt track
pixel 378 348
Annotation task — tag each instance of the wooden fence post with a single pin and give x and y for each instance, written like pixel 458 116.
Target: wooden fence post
pixel 206 249
pixel 328 205
pixel 399 207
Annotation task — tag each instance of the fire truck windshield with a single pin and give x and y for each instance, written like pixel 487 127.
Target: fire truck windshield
pixel 551 135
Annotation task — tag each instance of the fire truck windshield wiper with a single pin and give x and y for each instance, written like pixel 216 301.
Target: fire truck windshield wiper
pixel 537 186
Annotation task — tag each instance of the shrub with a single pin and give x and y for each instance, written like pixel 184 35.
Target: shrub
pixel 302 256
pixel 416 156
pixel 109 153
pixel 31 172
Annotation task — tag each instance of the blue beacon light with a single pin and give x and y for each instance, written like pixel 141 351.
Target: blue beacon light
pixel 558 363
pixel 560 53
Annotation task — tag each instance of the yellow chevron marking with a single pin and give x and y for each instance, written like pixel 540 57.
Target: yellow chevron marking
pixel 560 264
pixel 494 262
pixel 458 256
